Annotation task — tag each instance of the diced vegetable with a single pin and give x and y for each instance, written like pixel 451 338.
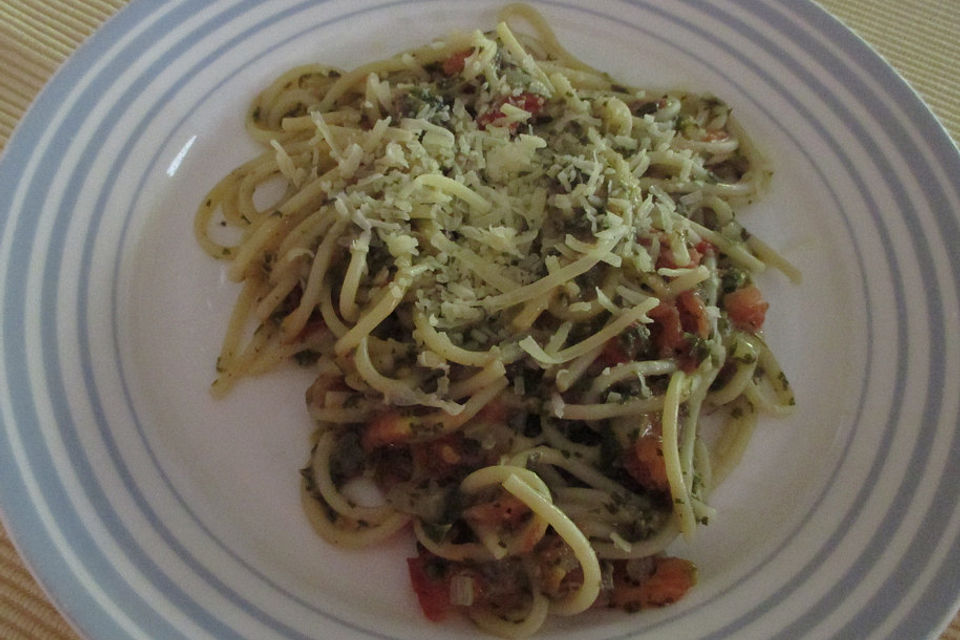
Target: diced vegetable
pixel 455 63
pixel 644 462
pixel 746 308
pixel 529 102
pixel 693 315
pixel 427 575
pixel 667 333
pixel 669 581
pixel 387 428
pixel 504 510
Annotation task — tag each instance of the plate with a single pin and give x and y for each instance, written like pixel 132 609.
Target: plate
pixel 148 509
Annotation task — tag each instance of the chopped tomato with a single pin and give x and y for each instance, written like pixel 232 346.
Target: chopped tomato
pixel 693 315
pixel 432 586
pixel 529 102
pixel 448 456
pixel 672 319
pixel 506 510
pixel 746 308
pixel 669 581
pixel 613 353
pixel 666 332
pixel 455 63
pixel 387 428
pixel 496 586
pixel 644 462
pixel 437 458
pixel 628 346
pixel 666 259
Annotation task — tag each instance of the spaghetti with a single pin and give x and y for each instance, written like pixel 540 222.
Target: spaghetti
pixel 520 286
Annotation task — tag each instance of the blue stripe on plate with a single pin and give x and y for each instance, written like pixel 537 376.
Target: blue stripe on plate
pixel 916 558
pixel 31 533
pixel 775 51
pixel 942 590
pixel 911 566
pixel 194 610
pixel 232 47
pixel 729 631
pixel 85 106
pixel 178 51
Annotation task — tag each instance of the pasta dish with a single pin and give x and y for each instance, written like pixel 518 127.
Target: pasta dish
pixel 525 295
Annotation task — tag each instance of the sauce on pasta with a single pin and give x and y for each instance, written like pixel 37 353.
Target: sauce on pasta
pixel 521 285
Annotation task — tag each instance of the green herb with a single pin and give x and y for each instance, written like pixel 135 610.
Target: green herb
pixel 699 347
pixel 307 357
pixel 733 279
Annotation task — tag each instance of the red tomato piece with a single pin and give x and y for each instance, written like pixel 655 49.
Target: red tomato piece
pixel 667 260
pixel 505 510
pixel 669 581
pixel 746 308
pixel 693 315
pixel 613 353
pixel 455 63
pixel 644 462
pixel 441 458
pixel 433 591
pixel 666 332
pixel 529 102
pixel 385 429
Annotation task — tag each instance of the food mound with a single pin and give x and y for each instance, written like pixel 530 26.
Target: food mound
pixel 520 285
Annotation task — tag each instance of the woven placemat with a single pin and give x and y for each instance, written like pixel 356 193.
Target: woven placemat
pixel 920 38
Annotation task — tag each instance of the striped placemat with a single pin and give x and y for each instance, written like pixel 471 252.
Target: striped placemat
pixel 920 38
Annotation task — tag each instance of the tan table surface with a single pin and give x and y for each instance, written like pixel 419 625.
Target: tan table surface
pixel 920 38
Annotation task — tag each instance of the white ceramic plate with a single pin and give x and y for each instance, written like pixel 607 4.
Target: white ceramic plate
pixel 149 510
